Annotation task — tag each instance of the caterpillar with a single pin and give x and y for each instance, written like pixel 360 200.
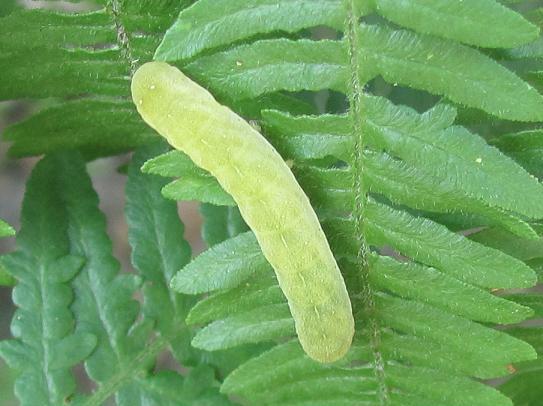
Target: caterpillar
pixel 269 198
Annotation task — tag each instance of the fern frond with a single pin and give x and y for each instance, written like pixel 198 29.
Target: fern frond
pixel 86 61
pixel 210 24
pixel 194 182
pixel 382 176
pixel 223 260
pixel 64 253
pixel 158 251
pixel 103 303
pixel 75 124
pixel 45 346
pixel 400 57
pixel 422 239
pixel 505 28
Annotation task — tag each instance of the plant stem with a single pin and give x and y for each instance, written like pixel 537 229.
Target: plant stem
pixel 355 94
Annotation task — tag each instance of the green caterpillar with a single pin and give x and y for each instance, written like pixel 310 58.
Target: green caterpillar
pixel 269 198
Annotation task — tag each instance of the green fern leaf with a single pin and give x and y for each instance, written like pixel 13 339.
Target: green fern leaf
pixel 225 265
pixel 5 278
pixel 531 50
pixel 425 321
pixel 168 388
pixel 194 182
pixel 210 24
pixel 521 248
pixel 462 22
pixel 309 137
pixel 86 59
pixel 271 369
pixel 214 23
pixel 156 237
pixel 45 346
pixel 418 61
pixel 261 324
pixel 474 263
pixel 158 248
pixel 7 7
pixel 404 184
pixel 438 189
pixel 288 371
pixel 121 129
pixel 533 300
pixel 97 283
pixel 296 65
pixel 419 161
pixel 260 290
pixel 426 284
pixel 103 303
pixel 411 59
pixel 452 152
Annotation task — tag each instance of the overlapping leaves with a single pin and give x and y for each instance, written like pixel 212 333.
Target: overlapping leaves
pixel 75 306
pixel 380 175
pixel 86 61
pixel 422 176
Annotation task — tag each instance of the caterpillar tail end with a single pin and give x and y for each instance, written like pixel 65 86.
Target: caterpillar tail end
pixel 329 341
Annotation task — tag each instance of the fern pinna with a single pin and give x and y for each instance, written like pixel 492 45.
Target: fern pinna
pixel 431 223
